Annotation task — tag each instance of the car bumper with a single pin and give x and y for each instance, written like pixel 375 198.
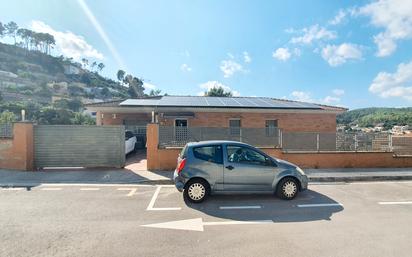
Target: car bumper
pixel 179 181
pixel 304 182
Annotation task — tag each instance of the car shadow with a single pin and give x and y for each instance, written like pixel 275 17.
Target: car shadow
pixel 268 207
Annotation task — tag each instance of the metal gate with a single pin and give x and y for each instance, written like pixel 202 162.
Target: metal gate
pixel 79 146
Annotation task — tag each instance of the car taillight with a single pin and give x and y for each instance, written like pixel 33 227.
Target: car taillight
pixel 181 165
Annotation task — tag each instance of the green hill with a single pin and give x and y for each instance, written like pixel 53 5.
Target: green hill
pixel 369 117
pixel 51 89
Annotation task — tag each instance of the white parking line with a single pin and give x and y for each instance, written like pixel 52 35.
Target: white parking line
pixel 89 189
pixel 319 205
pixel 240 207
pixel 153 200
pixel 393 203
pixel 132 190
pixel 51 189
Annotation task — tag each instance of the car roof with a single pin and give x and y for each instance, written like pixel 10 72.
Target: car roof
pixel 211 142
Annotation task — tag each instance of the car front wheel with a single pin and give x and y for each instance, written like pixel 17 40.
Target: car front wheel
pixel 196 191
pixel 287 188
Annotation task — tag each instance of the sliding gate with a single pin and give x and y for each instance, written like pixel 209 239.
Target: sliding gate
pixel 79 146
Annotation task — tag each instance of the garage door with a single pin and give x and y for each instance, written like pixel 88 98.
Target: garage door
pixel 79 146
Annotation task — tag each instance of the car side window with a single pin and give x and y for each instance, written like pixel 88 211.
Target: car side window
pixel 211 153
pixel 240 154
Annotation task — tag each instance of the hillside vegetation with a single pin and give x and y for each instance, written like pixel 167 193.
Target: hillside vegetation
pixel 53 89
pixel 369 117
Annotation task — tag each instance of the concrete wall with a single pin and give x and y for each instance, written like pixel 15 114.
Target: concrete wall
pixel 17 153
pixel 165 159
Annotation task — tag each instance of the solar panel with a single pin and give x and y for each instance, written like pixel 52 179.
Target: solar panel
pixel 220 102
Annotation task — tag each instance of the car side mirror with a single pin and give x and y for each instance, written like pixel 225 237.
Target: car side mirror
pixel 269 162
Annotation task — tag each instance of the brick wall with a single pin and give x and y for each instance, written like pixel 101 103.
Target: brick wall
pixel 322 122
pixel 18 153
pixel 165 159
pixel 118 118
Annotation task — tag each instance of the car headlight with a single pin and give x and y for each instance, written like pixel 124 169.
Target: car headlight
pixel 300 171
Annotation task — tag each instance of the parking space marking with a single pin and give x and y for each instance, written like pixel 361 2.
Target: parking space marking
pixel 240 207
pixel 319 205
pixel 51 189
pixel 132 190
pixel 393 203
pixel 13 188
pixel 89 189
pixel 151 207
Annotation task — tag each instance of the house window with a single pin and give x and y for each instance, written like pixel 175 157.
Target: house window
pixel 234 127
pixel 271 128
pixel 181 132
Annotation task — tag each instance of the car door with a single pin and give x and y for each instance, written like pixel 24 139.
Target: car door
pixel 247 169
pixel 208 164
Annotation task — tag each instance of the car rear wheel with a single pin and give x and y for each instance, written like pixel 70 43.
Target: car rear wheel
pixel 196 191
pixel 287 188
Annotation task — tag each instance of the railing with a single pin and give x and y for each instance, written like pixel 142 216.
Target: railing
pixel 339 141
pixel 402 145
pixel 170 136
pixel 6 130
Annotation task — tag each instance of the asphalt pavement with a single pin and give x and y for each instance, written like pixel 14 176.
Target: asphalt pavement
pixel 335 219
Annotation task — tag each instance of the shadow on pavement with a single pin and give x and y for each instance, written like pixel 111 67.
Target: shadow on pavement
pixel 271 207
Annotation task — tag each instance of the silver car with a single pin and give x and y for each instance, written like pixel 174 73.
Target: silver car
pixel 213 166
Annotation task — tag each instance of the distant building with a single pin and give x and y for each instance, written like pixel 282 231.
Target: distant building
pixel 71 69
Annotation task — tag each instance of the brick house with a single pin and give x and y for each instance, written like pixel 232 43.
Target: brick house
pixel 218 112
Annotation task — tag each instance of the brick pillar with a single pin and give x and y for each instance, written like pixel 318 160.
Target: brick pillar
pixel 18 153
pixel 152 142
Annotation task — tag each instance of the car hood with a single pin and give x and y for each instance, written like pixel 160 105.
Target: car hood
pixel 285 164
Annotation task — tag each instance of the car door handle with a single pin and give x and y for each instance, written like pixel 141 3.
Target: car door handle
pixel 230 167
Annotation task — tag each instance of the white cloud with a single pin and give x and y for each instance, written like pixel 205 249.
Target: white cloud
pixel 297 52
pixel 336 55
pixel 230 67
pixel 330 100
pixel 338 92
pixel 147 85
pixel 340 16
pixel 282 54
pixel 395 17
pixel 246 57
pixel 312 34
pixel 397 84
pixel 185 68
pixel 211 84
pixel 303 96
pixel 68 43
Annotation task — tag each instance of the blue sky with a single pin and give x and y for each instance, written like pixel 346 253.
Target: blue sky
pixel 348 53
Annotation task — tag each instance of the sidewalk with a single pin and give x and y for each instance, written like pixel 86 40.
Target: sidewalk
pixel 126 176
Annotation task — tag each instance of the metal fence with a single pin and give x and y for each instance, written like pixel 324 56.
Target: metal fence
pixel 170 136
pixel 402 145
pixel 6 130
pixel 338 141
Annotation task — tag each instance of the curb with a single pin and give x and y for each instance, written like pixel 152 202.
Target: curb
pixel 359 178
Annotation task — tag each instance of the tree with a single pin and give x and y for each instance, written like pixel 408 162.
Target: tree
pixel 83 119
pixel 100 66
pixel 94 64
pixel 7 117
pixel 218 91
pixel 136 88
pixel 155 92
pixel 2 29
pixel 120 75
pixel 85 62
pixel 11 29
